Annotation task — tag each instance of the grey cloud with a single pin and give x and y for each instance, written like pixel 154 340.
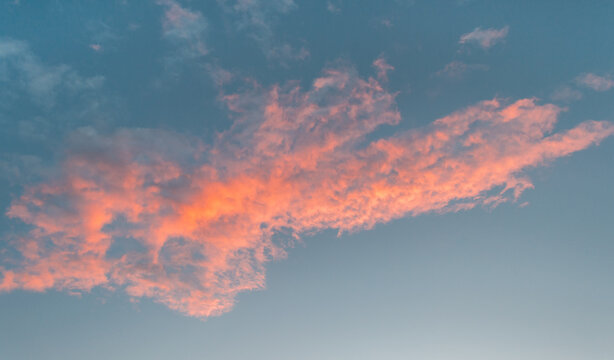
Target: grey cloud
pixel 186 30
pixel 22 72
pixel 485 38
pixel 257 17
pixel 595 82
pixel 456 69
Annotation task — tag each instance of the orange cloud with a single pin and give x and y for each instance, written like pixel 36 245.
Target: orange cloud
pixel 164 216
pixel 382 69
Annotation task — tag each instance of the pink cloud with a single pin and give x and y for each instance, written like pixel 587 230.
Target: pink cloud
pixel 163 216
pixel 382 68
pixel 485 38
pixel 595 82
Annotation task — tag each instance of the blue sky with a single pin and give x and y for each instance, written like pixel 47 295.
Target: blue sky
pixel 287 179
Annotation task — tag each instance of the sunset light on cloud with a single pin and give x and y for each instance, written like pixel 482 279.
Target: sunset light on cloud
pixel 182 155
pixel 294 161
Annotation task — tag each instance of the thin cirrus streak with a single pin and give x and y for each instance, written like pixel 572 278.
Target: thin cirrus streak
pixel 163 216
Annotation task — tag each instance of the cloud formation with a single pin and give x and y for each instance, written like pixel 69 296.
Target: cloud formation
pixel 22 72
pixel 257 17
pixel 332 7
pixel 382 68
pixel 485 38
pixel 258 14
pixel 185 29
pixel 38 99
pixel 595 82
pixel 566 93
pixel 190 225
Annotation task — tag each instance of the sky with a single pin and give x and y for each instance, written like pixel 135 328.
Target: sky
pixel 289 179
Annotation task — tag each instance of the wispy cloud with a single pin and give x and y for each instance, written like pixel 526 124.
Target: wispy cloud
pixel 22 72
pixel 485 38
pixel 190 225
pixel 572 90
pixel 566 93
pixel 382 68
pixel 332 7
pixel 595 82
pixel 103 36
pixel 185 29
pixel 456 69
pixel 258 14
pixel 56 97
pixel 219 75
pixel 286 52
pixel 257 19
pixel 18 168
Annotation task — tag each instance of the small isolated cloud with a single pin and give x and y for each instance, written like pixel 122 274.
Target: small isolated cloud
pixel 332 7
pixel 102 35
pixel 382 68
pixel 485 38
pixel 96 47
pixel 595 82
pixel 185 29
pixel 387 23
pixel 456 69
pixel 160 215
pixel 566 94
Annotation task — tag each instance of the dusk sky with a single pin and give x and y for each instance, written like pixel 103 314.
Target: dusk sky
pixel 290 179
